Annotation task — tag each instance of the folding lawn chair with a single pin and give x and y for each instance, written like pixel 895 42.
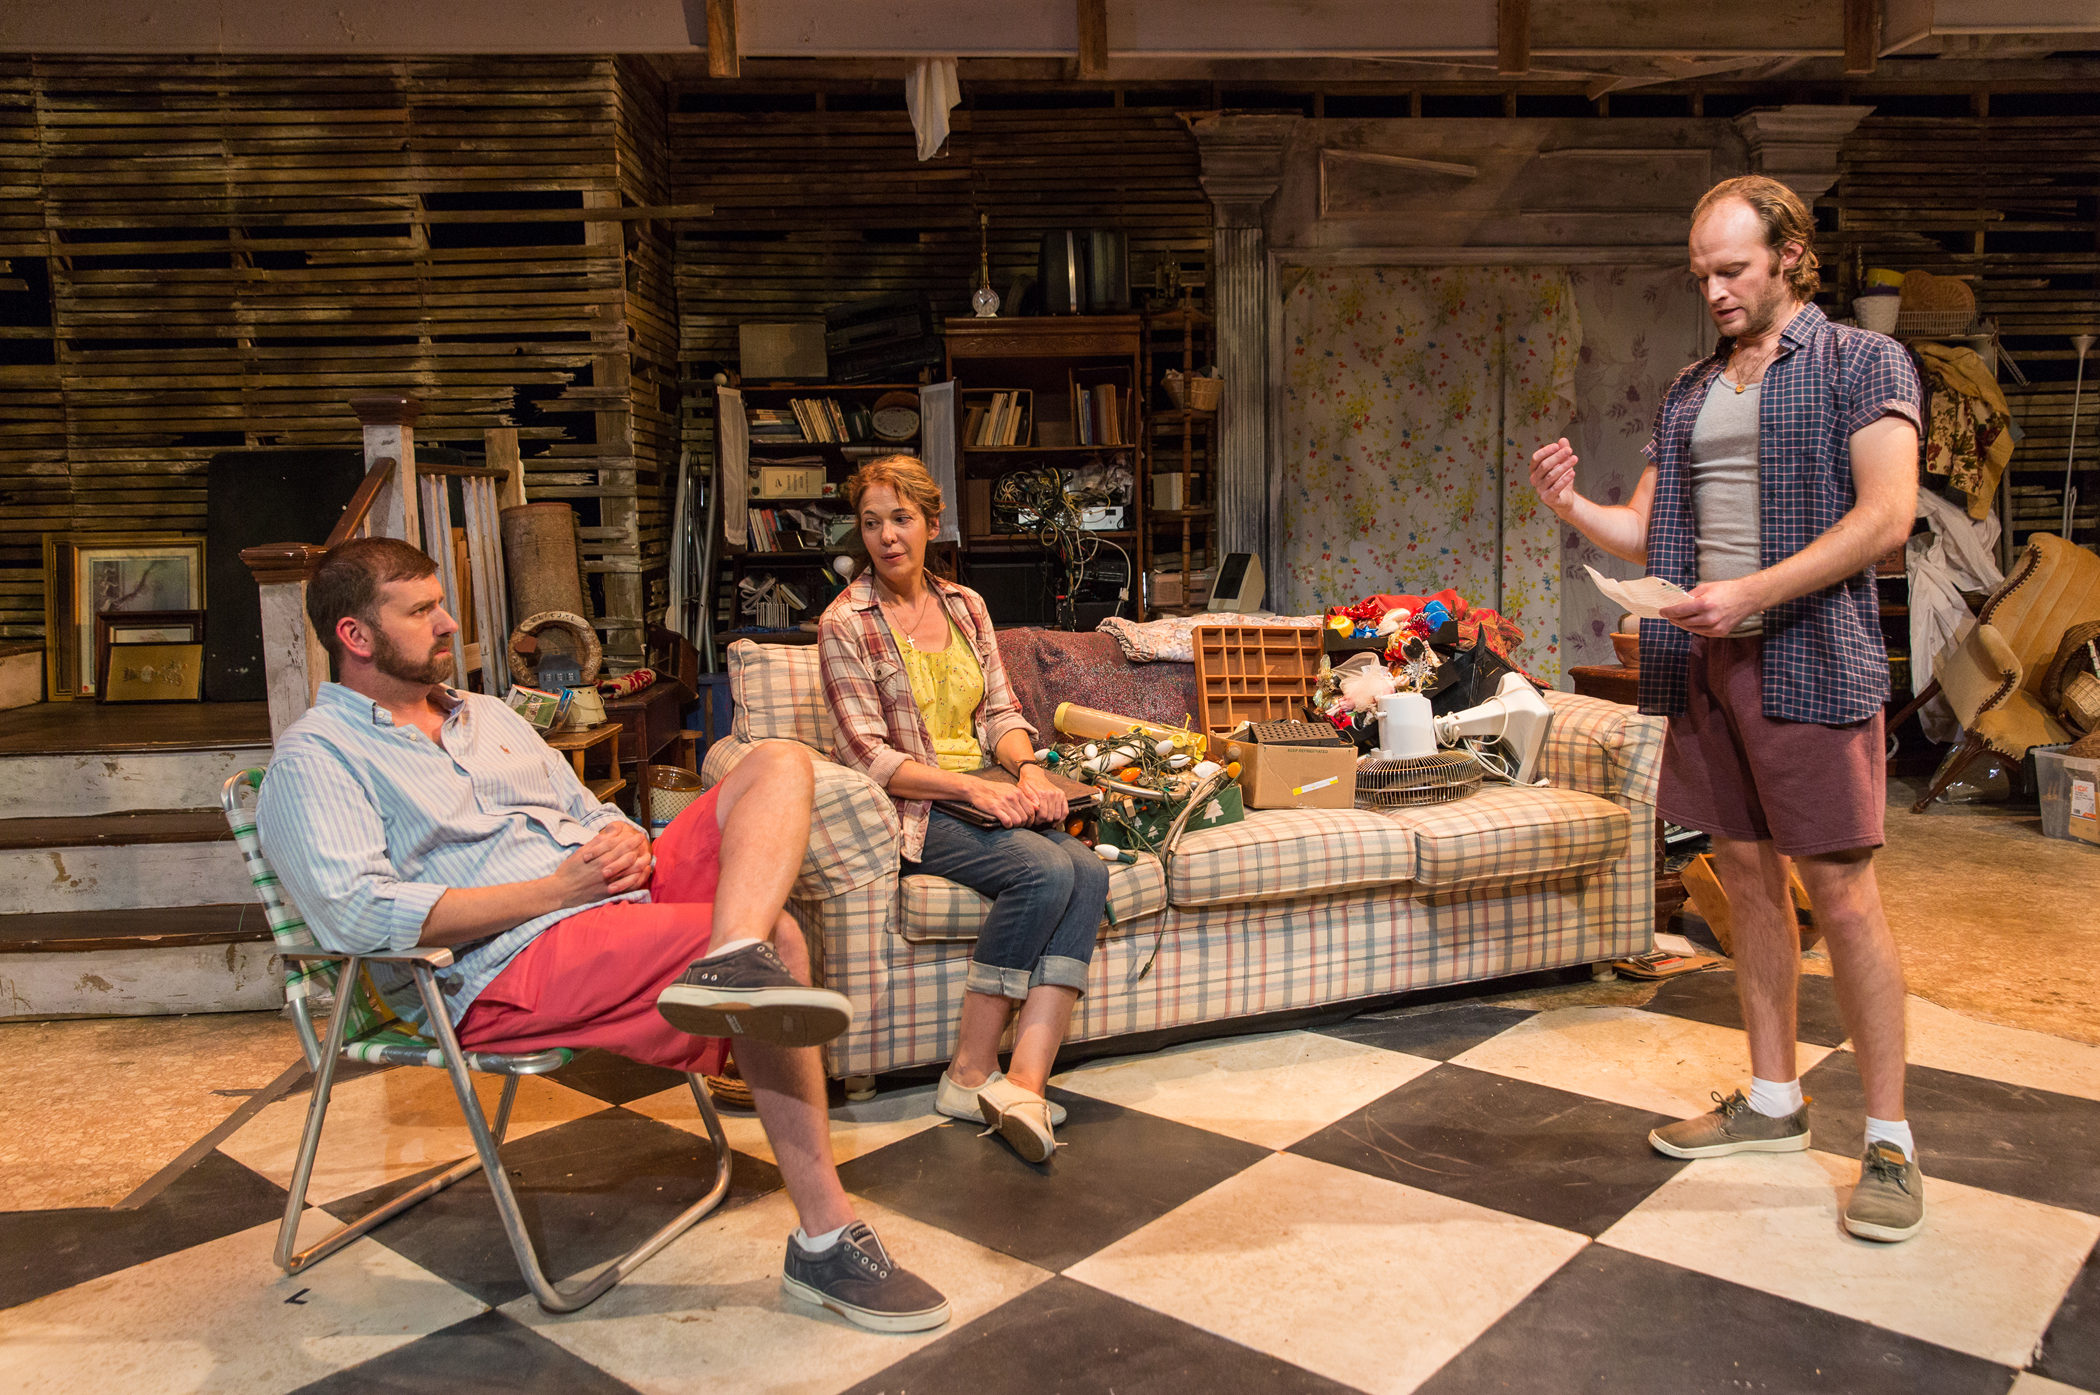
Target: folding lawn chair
pixel 360 1027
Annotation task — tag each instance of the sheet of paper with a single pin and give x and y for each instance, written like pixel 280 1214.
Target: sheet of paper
pixel 1644 598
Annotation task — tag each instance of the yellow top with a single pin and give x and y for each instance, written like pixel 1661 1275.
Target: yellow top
pixel 947 685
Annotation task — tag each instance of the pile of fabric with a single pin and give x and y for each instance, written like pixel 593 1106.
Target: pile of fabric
pixel 1968 432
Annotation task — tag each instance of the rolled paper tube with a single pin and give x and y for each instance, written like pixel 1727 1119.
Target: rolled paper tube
pixel 1092 724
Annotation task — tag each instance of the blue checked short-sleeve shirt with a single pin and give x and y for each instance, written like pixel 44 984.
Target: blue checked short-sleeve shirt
pixel 1823 656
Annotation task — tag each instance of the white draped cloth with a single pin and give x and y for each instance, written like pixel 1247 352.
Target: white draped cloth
pixel 1959 554
pixel 931 91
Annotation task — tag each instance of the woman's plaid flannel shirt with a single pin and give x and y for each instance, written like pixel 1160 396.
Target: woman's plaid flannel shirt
pixel 879 726
pixel 1824 660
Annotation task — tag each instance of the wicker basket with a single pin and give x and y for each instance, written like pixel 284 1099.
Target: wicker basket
pixel 1193 394
pixel 1932 324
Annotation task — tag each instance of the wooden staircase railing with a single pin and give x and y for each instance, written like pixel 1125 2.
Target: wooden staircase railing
pixel 396 499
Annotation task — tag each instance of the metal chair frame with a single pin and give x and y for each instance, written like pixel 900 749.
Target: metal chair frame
pixel 380 1040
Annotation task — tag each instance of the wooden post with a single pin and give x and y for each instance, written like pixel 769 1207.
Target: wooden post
pixel 294 660
pixel 390 432
pixel 499 446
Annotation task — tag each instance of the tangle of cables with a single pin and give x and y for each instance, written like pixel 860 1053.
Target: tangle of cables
pixel 1042 501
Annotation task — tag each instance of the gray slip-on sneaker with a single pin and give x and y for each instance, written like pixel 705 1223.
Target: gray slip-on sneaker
pixel 1732 1126
pixel 1889 1202
pixel 857 1279
pixel 750 994
pixel 960 1102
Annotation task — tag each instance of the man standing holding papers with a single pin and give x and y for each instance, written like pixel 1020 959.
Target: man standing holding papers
pixel 1781 467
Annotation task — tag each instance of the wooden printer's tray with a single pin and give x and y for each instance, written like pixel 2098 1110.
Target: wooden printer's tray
pixel 1254 673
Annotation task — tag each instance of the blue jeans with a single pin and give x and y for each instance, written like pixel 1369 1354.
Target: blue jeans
pixel 1047 891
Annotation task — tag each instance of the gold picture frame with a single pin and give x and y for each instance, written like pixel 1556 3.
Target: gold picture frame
pixel 86 574
pixel 155 672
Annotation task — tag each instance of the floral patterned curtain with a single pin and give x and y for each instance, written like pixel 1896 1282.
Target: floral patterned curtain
pixel 1641 326
pixel 1405 391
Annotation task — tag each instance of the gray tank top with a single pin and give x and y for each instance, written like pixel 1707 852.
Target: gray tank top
pixel 1724 488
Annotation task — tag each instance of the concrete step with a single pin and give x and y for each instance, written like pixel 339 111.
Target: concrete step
pixel 139 963
pixel 120 862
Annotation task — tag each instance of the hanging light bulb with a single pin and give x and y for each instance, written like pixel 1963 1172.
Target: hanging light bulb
pixel 986 301
pixel 2080 342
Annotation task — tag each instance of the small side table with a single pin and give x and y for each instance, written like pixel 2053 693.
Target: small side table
pixel 577 744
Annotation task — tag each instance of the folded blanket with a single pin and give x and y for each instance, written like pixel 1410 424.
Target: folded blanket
pixel 1168 641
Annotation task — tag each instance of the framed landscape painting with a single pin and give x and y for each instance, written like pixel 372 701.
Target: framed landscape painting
pixel 87 575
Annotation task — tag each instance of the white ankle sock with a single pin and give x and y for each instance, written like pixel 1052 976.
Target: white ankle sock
pixel 816 1244
pixel 732 947
pixel 1896 1131
pixel 1775 1099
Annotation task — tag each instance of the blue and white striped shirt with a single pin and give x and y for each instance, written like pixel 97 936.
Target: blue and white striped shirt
pixel 368 822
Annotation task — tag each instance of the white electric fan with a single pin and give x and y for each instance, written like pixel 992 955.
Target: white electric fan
pixel 1410 770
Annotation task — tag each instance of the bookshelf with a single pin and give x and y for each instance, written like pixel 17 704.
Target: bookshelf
pixel 805 439
pixel 1077 383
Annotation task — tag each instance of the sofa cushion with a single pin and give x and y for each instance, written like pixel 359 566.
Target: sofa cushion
pixel 779 694
pixel 1512 835
pixel 1274 854
pixel 938 909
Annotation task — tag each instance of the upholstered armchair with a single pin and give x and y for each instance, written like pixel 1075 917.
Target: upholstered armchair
pixel 1993 669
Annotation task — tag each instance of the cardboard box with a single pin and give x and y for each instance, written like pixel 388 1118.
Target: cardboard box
pixel 1169 491
pixel 1226 806
pixel 1166 588
pixel 787 482
pixel 21 673
pixel 1295 777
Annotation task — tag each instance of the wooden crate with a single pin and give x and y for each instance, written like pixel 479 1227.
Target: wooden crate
pixel 1254 673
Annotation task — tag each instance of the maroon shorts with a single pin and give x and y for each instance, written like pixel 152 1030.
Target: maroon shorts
pixel 592 978
pixel 1731 771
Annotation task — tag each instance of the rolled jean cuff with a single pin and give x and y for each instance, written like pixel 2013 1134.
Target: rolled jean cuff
pixel 998 982
pixel 1060 971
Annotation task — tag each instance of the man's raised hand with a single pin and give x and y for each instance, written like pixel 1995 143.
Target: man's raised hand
pixel 1553 475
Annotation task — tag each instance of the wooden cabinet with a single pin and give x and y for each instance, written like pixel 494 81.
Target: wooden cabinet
pixel 1053 360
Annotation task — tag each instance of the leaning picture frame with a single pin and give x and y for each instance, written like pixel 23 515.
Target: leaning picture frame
pixel 120 627
pixel 87 574
pixel 154 671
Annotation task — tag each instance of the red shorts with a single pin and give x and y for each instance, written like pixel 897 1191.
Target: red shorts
pixel 592 978
pixel 1731 771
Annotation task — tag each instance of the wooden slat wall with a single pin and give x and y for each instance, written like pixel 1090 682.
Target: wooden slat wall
pixel 2009 200
pixel 237 245
pixel 796 195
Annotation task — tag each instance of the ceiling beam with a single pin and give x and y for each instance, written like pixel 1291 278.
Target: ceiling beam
pixel 1862 23
pixel 1093 38
pixel 724 57
pixel 1512 37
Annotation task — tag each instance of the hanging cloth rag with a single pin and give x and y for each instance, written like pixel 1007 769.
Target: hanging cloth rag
pixel 1969 437
pixel 931 91
pixel 1957 555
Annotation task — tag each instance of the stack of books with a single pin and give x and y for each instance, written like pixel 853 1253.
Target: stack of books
pixel 1099 414
pixel 1002 420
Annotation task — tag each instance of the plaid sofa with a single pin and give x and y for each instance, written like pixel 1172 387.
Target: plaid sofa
pixel 1287 909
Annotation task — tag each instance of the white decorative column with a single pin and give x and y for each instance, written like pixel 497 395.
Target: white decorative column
pixel 1241 169
pixel 1798 145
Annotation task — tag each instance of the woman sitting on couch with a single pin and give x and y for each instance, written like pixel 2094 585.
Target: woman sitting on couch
pixel 913 676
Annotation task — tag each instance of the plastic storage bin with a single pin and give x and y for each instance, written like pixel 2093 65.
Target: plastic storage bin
pixel 2069 788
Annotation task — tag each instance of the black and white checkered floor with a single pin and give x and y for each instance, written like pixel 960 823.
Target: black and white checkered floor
pixel 1453 1198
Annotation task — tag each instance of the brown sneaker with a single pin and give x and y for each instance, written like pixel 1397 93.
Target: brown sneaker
pixel 1733 1127
pixel 1889 1202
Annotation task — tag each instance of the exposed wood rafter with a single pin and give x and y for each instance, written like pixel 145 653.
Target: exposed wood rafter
pixel 1093 38
pixel 1512 37
pixel 1862 23
pixel 724 58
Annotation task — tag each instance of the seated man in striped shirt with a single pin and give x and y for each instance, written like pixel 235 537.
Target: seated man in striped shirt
pixel 402 812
